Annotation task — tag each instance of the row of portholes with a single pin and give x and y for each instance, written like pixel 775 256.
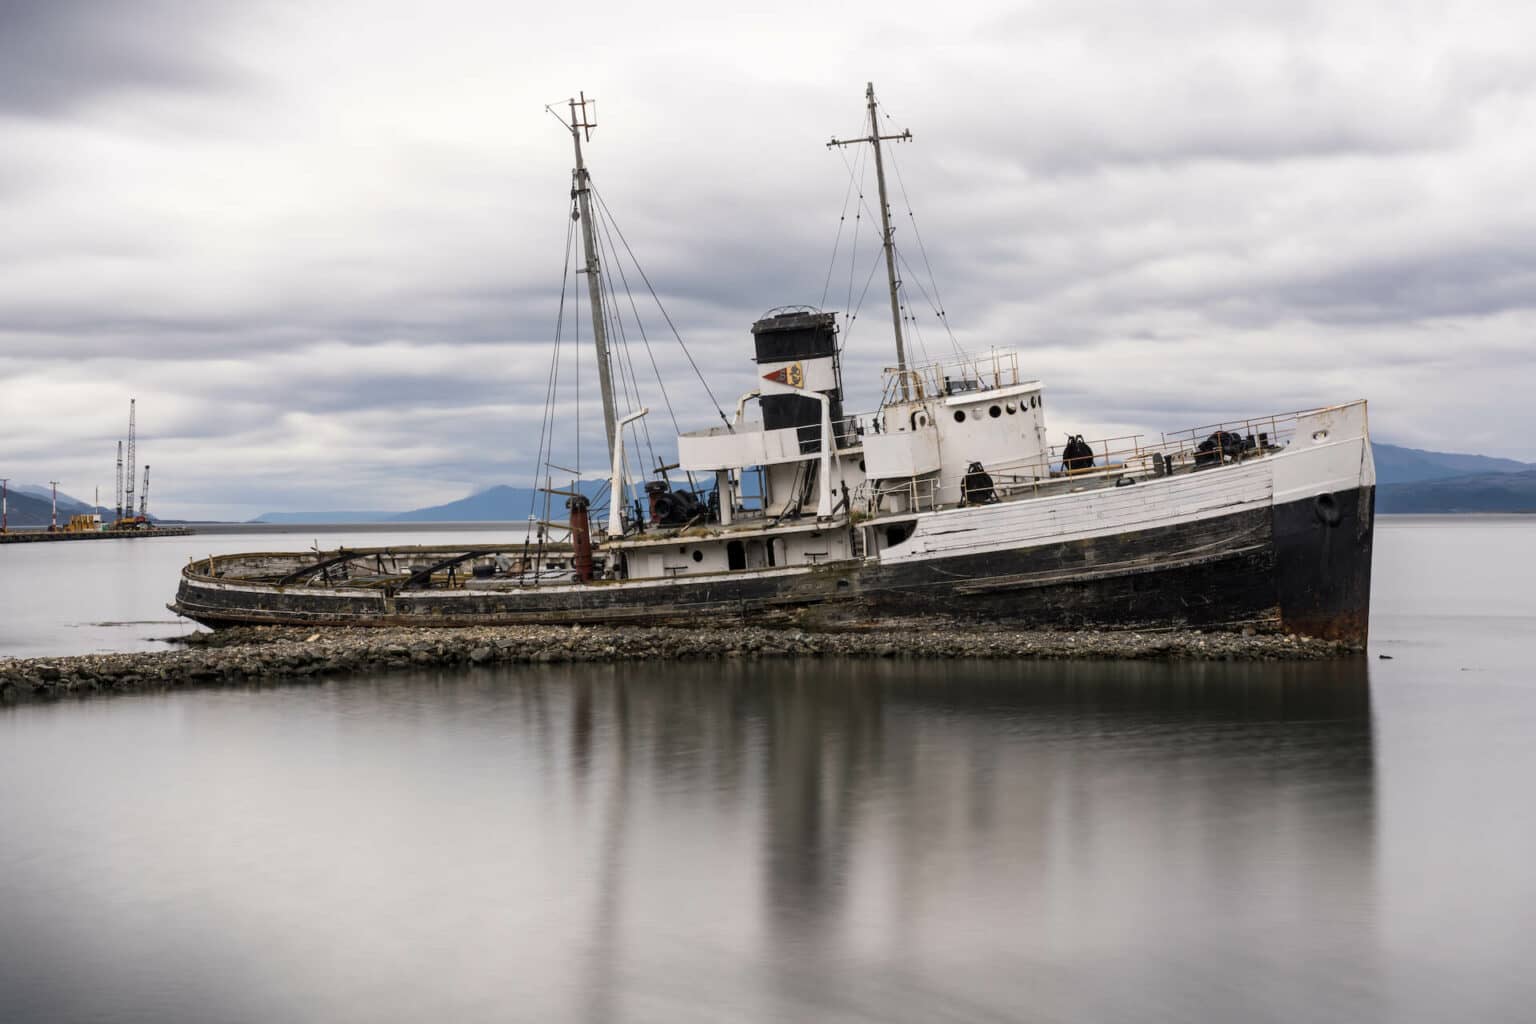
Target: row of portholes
pixel 997 410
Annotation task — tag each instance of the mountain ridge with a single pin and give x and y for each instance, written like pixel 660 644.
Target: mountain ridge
pixel 1409 480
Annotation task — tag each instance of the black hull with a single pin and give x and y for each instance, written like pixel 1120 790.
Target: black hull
pixel 1304 567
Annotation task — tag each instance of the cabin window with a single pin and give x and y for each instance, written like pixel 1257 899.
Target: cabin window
pixel 736 555
pixel 995 411
pixel 959 415
pixel 698 555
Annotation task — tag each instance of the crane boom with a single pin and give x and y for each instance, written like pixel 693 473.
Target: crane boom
pixel 132 462
pixel 144 496
pixel 119 483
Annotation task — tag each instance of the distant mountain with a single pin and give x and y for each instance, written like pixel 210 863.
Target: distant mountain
pixel 319 518
pixel 31 504
pixel 1472 483
pixel 1473 492
pixel 25 508
pixel 498 504
pixel 1395 465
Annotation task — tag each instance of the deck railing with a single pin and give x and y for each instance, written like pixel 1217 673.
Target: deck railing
pixel 1129 454
pixel 951 377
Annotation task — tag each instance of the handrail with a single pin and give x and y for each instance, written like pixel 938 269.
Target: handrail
pixel 1128 454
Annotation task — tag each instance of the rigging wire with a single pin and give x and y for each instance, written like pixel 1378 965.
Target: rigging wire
pixel 842 220
pixel 546 422
pixel 628 379
pixel 661 386
pixel 938 300
pixel 858 220
pixel 665 315
pixel 614 315
pixel 959 352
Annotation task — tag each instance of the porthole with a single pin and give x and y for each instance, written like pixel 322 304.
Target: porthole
pixel 1011 408
pixel 995 411
pixel 959 415
pixel 1031 401
pixel 698 556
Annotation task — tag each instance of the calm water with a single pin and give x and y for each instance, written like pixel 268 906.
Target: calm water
pixel 81 597
pixel 1349 841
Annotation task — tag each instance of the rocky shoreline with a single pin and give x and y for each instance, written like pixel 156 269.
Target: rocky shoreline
pixel 255 654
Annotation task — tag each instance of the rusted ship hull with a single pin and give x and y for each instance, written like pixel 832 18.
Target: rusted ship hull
pixel 1302 566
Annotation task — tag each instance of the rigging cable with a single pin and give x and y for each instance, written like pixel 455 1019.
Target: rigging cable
pixel 842 220
pixel 661 386
pixel 631 382
pixel 938 300
pixel 546 422
pixel 657 299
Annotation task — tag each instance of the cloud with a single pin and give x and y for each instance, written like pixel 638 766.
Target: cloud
pixel 322 244
pixel 59 55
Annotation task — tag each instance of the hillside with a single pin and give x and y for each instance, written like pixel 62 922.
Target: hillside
pixel 1396 465
pixel 498 504
pixel 323 518
pixel 1473 492
pixel 25 507
pixel 1408 479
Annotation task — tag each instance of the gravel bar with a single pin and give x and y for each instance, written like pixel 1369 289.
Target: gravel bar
pixel 267 653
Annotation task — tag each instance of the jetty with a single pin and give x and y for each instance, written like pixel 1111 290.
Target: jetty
pixel 267 654
pixel 34 536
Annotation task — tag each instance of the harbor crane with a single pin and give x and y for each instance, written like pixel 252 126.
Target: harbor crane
pixel 144 497
pixel 132 462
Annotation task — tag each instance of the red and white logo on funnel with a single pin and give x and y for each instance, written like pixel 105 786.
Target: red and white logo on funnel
pixel 792 375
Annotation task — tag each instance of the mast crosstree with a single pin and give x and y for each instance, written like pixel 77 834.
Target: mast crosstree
pixel 887 234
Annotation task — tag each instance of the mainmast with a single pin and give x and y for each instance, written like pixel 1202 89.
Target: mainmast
pixel 886 234
pixel 581 189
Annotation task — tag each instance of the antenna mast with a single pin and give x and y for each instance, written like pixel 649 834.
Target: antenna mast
pixel 581 190
pixel 888 236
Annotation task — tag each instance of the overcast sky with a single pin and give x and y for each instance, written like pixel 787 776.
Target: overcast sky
pixel 321 243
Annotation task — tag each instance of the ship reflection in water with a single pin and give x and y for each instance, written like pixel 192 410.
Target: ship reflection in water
pixel 982 841
pixel 798 841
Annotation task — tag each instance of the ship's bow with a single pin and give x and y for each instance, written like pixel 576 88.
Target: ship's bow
pixel 1324 518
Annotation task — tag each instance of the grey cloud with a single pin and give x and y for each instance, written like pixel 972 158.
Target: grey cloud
pixel 58 54
pixel 1206 212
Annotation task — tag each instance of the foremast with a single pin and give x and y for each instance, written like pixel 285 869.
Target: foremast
pixel 581 191
pixel 887 234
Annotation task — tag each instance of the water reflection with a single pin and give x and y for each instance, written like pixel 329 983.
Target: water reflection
pixel 799 841
pixel 919 820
